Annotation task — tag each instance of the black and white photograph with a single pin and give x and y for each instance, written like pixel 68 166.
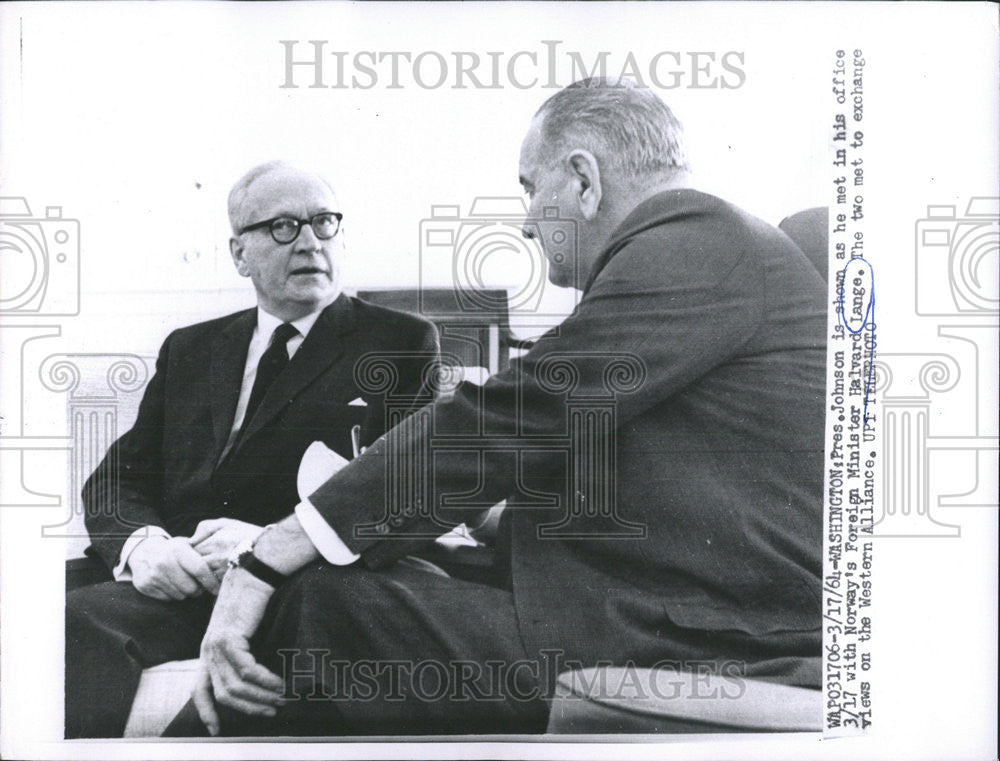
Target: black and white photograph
pixel 499 380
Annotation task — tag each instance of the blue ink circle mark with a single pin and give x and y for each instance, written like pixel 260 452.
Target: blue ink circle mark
pixel 869 306
pixel 868 316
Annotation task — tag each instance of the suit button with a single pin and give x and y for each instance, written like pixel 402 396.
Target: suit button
pixel 396 522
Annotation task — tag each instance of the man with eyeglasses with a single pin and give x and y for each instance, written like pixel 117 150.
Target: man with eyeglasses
pixel 214 453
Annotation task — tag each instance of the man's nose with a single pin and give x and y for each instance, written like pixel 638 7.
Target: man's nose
pixel 307 240
pixel 529 230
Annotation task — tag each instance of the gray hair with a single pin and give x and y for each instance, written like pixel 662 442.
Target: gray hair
pixel 238 194
pixel 623 125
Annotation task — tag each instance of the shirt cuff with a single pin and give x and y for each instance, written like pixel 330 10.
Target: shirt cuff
pixel 122 572
pixel 322 535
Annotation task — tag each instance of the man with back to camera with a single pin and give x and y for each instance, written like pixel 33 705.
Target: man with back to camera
pixel 222 427
pixel 707 328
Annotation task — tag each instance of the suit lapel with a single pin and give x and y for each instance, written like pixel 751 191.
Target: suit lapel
pixel 322 347
pixel 229 358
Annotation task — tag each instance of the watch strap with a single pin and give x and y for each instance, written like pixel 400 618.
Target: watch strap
pixel 253 565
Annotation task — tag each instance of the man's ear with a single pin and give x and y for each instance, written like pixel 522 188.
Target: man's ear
pixel 236 251
pixel 588 181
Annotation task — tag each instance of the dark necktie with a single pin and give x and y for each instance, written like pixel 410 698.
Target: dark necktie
pixel 272 362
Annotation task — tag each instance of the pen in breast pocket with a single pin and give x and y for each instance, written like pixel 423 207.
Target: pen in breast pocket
pixel 356 441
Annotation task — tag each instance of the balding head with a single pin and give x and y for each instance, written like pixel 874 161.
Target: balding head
pixel 630 130
pixel 239 214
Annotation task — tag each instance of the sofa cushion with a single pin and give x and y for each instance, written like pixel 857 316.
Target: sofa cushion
pixel 163 691
pixel 616 699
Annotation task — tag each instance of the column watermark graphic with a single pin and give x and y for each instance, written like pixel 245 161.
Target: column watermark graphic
pixel 935 405
pixel 39 288
pixel 585 443
pixel 102 394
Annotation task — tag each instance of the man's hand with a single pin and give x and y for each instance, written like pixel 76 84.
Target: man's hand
pixel 216 539
pixel 228 672
pixel 169 569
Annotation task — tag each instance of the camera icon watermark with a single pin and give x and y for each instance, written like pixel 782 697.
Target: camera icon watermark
pixel 40 260
pixel 962 251
pixel 496 258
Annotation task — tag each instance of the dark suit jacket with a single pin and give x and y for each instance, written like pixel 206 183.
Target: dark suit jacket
pixel 166 472
pixel 712 323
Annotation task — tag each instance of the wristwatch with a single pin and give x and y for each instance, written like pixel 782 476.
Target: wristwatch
pixel 243 557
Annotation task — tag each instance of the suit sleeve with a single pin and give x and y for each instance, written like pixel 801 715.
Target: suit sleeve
pixel 643 332
pixel 125 492
pixel 419 377
pixel 415 365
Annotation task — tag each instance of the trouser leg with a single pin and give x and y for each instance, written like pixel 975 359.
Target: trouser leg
pixel 113 632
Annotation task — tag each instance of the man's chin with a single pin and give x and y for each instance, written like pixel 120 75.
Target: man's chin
pixel 313 285
pixel 313 299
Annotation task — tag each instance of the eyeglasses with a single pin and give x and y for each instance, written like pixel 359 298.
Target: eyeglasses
pixel 324 225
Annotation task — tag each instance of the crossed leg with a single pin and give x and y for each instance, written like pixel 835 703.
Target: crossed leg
pixel 391 652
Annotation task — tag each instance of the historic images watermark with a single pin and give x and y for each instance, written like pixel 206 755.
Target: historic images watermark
pixel 317 64
pixel 496 235
pixel 41 261
pixel 39 288
pixel 319 674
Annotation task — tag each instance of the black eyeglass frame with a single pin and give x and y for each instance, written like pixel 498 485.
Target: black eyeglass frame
pixel 269 223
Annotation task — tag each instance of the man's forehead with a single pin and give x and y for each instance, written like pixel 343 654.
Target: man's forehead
pixel 286 187
pixel 531 146
pixel 527 159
